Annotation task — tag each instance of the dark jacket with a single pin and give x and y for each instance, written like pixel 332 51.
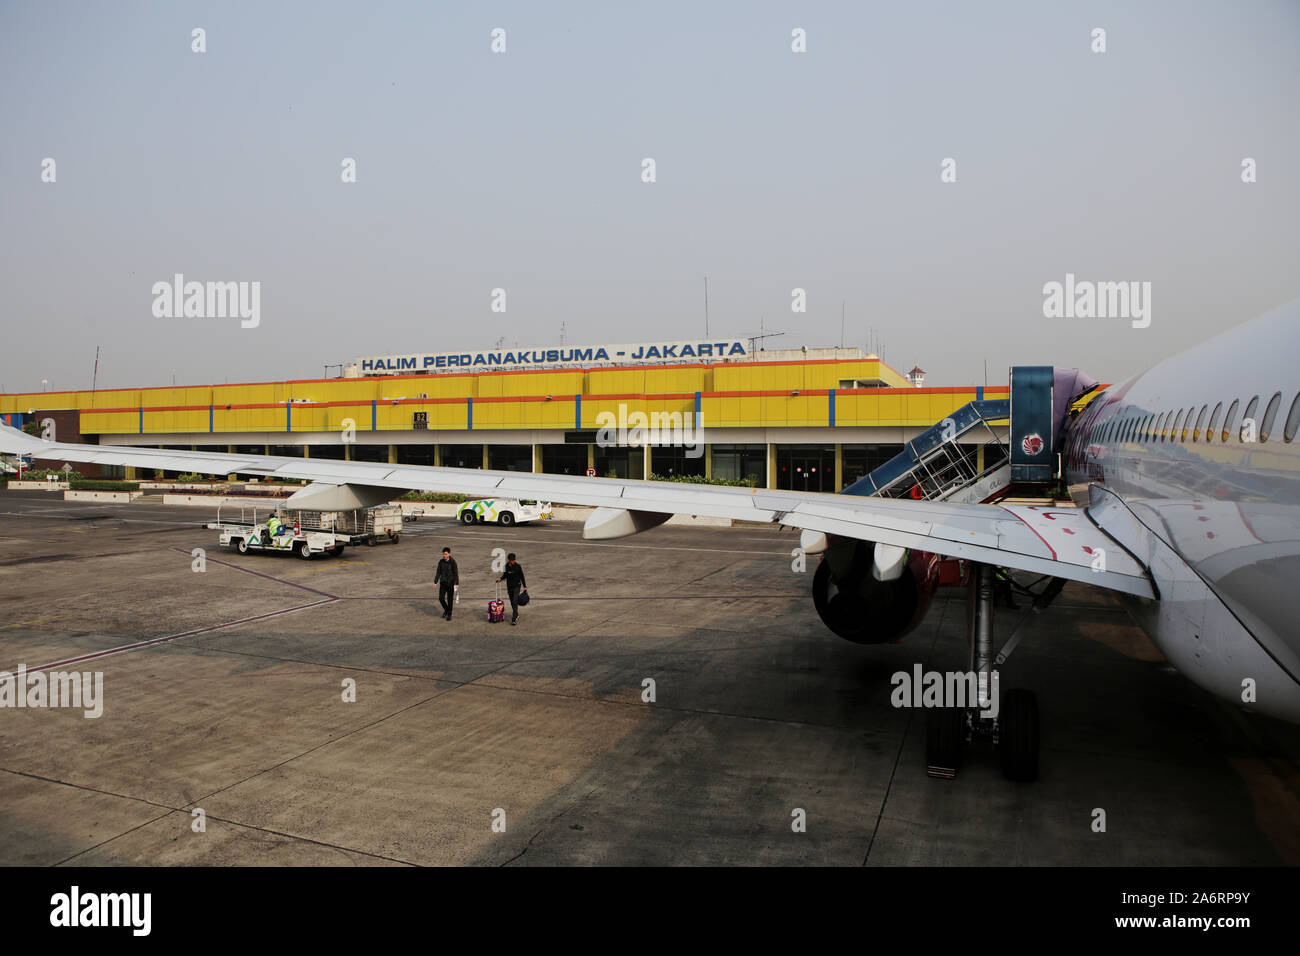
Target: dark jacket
pixel 513 575
pixel 447 572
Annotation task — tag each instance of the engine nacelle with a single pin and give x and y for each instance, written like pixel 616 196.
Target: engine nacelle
pixel 859 607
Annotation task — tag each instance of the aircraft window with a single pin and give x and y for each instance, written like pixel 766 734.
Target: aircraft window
pixel 1178 425
pixel 1214 422
pixel 1200 420
pixel 1147 428
pixel 1292 419
pixel 1229 420
pixel 1187 425
pixel 1249 413
pixel 1160 429
pixel 1270 413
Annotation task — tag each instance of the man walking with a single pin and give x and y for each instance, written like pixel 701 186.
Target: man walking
pixel 513 575
pixel 447 577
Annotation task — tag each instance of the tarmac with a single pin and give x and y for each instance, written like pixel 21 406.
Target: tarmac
pixel 226 739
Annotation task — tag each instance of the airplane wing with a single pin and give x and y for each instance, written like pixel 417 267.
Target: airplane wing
pixel 1061 542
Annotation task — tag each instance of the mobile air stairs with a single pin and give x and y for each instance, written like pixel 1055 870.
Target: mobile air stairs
pixel 962 459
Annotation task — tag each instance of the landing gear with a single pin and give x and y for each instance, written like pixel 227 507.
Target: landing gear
pixel 945 738
pixel 1010 724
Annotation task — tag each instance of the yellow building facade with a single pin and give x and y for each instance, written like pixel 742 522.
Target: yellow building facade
pixel 787 423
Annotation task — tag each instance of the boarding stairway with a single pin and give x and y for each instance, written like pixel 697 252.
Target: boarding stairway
pixel 960 459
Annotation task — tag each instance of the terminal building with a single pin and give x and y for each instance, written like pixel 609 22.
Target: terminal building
pixel 803 419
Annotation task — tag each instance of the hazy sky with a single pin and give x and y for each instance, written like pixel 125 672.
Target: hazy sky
pixel 522 170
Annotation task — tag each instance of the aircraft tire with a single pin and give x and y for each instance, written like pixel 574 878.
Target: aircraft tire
pixel 945 738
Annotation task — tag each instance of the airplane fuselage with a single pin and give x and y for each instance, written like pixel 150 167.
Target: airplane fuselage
pixel 1201 450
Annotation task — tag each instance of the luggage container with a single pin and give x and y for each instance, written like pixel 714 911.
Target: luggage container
pixel 366 526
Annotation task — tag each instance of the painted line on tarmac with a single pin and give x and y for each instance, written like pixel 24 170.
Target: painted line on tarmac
pixel 139 645
pixel 292 584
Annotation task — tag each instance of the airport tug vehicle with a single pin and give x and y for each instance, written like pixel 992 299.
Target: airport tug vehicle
pixel 505 511
pixel 306 534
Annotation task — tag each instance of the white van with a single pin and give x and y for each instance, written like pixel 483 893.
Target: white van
pixel 506 511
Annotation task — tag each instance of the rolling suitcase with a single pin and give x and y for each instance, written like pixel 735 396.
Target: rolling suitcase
pixel 497 608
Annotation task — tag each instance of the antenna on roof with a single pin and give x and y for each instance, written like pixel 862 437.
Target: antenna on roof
pixel 706 307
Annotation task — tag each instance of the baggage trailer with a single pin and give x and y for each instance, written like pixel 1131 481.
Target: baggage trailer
pixel 252 532
pixel 362 526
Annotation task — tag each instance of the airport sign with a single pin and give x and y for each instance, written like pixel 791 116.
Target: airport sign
pixel 691 350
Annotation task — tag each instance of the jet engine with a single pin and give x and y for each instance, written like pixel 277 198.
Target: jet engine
pixel 852 599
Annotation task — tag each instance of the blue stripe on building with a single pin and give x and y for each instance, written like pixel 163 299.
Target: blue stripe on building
pixel 831 395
